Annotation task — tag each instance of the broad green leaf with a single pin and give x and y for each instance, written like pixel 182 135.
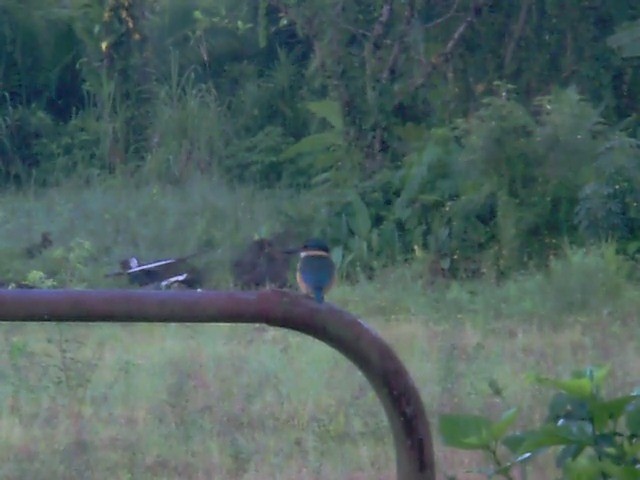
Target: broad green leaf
pixel 359 220
pixel 555 435
pixel 633 417
pixel 468 432
pixel 608 445
pixel 568 454
pixel 604 411
pixel 313 143
pixel 329 158
pixel 582 468
pixel 322 180
pixel 567 407
pixel 359 248
pixel 632 247
pixel 598 375
pixel 579 387
pixel 514 443
pixel 330 111
pixel 619 472
pixel 499 428
pixel 632 450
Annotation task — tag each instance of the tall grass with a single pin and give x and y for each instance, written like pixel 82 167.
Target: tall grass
pixel 248 402
pixel 190 131
pixel 105 222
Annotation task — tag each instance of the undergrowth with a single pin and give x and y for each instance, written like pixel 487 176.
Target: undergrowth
pixel 95 226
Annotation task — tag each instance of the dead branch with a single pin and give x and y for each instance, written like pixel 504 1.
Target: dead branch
pixel 428 66
pixel 444 17
pixel 517 32
pixel 395 50
pixel 379 26
pixel 373 45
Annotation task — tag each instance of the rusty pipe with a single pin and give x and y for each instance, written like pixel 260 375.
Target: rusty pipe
pixel 329 324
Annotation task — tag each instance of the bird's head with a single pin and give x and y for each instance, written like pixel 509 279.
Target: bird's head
pixel 311 245
pixel 315 244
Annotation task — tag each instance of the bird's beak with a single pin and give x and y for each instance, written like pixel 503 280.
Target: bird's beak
pixel 292 251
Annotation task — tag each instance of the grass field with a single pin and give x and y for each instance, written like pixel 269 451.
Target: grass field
pixel 198 402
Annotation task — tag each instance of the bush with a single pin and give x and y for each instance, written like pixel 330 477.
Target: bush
pixel 593 437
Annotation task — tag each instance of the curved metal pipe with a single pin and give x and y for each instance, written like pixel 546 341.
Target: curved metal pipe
pixel 335 327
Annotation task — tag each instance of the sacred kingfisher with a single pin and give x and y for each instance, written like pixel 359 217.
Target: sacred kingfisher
pixel 316 272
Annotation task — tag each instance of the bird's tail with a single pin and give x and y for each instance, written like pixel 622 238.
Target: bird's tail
pixel 319 295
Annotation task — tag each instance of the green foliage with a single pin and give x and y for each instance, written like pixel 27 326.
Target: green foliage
pixel 258 160
pixel 581 283
pixel 593 437
pixel 427 183
pixel 324 158
pixel 474 432
pixel 626 39
pixel 40 280
pixel 507 184
pixel 608 206
pixel 495 194
pixel 329 111
pixel 266 60
pixel 581 279
pixel 529 168
pixel 39 55
pixel 188 133
pixel 363 247
pixel 407 128
pixel 24 137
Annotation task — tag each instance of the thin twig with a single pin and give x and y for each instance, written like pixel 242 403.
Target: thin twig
pixel 395 51
pixel 517 33
pixel 383 19
pixel 373 45
pixel 437 60
pixel 445 17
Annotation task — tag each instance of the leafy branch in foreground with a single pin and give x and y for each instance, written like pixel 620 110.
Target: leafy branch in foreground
pixel 591 436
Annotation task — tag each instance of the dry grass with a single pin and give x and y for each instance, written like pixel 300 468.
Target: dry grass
pixel 225 402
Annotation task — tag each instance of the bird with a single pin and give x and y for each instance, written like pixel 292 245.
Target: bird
pixel 261 264
pixel 163 274
pixel 316 272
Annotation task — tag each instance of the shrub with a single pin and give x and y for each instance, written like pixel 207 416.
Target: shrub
pixel 593 437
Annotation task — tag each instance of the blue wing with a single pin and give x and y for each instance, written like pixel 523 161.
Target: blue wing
pixel 317 272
